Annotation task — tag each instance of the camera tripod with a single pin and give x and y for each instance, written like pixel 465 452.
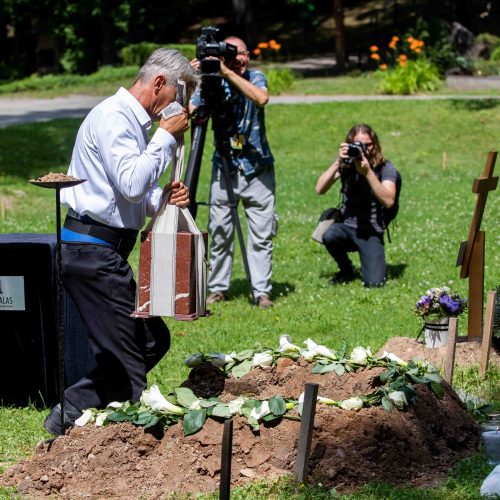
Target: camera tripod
pixel 214 105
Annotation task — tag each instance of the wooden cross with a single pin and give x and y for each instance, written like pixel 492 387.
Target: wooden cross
pixel 471 253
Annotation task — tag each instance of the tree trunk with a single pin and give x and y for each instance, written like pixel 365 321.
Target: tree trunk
pixel 340 45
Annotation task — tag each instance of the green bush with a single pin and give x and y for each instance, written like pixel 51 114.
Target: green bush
pixel 280 80
pixel 495 55
pixel 136 54
pixel 413 77
pixel 486 68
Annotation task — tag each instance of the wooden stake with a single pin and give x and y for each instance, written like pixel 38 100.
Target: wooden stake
pixel 226 456
pixel 306 431
pixel 476 288
pixel 487 334
pixel 449 362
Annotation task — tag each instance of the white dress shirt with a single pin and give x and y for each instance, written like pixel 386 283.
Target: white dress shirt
pixel 122 169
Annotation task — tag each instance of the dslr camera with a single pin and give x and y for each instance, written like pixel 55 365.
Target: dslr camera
pixel 208 47
pixel 355 150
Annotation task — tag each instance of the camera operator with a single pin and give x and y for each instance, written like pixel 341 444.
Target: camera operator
pixel 253 180
pixel 368 184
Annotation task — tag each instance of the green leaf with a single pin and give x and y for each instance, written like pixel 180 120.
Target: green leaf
pixel 185 397
pixel 343 349
pixel 339 369
pixel 434 377
pixel 242 369
pixel 387 375
pixel 193 421
pixel 119 416
pixel 437 389
pixel 270 417
pixel 221 411
pixel 417 380
pixel 241 356
pixel 152 421
pixel 277 405
pixel 204 403
pixel 142 418
pixel 319 368
pixel 253 423
pixel 387 404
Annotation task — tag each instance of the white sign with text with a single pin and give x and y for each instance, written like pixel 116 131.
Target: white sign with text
pixel 12 293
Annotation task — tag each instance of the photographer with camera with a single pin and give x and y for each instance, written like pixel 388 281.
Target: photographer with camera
pixel 368 187
pixel 251 166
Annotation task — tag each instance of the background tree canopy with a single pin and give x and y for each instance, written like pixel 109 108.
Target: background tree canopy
pixel 79 36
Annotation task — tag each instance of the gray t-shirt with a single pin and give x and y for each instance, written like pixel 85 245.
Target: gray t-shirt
pixel 360 209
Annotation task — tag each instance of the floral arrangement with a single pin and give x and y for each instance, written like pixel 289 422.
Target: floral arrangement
pixel 396 389
pixel 440 303
pixel 266 50
pixel 399 53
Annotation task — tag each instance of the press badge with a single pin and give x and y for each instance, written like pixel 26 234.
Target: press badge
pixel 237 141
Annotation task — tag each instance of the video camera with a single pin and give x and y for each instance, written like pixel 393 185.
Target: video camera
pixel 208 47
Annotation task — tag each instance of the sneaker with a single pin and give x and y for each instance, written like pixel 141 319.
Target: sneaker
pixel 264 302
pixel 342 277
pixel 216 297
pixel 52 423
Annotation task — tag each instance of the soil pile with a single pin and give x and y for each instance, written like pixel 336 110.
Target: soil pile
pixel 416 446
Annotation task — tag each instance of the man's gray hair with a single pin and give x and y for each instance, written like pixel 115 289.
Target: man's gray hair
pixel 171 64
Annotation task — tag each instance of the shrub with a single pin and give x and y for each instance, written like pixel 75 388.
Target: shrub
pixel 136 54
pixel 280 80
pixel 412 77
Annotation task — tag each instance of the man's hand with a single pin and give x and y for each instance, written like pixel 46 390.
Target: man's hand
pixel 363 165
pixel 179 193
pixel 176 125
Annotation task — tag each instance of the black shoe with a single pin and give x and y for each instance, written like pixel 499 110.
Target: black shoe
pixel 342 277
pixel 52 423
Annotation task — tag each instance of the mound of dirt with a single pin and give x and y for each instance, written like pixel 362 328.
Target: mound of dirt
pixel 416 446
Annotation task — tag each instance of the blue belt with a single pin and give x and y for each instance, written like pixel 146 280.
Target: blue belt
pixel 69 236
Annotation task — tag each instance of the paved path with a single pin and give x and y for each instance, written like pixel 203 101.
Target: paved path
pixel 20 110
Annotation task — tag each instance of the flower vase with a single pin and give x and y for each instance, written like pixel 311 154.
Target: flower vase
pixel 436 332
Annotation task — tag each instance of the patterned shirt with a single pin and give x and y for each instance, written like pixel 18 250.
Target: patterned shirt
pixel 254 154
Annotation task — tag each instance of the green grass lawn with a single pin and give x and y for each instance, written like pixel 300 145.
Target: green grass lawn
pixel 436 207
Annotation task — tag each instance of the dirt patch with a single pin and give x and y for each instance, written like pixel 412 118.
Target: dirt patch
pixel 416 446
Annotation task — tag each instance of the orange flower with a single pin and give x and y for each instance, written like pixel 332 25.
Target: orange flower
pixel 272 43
pixel 395 39
pixel 417 50
pixel 402 63
pixel 375 56
pixel 277 46
pixel 373 48
pixel 263 45
pixel 256 52
pixel 392 44
pixel 410 39
pixel 403 58
pixel 383 67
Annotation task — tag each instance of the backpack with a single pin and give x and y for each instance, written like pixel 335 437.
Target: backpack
pixel 389 214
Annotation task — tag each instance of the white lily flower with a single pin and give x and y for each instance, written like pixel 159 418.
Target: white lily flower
pixel 393 357
pixel 352 404
pixel 115 405
pixel 100 418
pixel 235 405
pixel 360 355
pixel 157 402
pixel 308 355
pixel 318 350
pixel 286 345
pixel 194 360
pixel 220 360
pixel 262 359
pixel 262 412
pixel 87 417
pixel 398 398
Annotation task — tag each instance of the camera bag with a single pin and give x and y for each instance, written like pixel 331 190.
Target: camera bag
pixel 326 219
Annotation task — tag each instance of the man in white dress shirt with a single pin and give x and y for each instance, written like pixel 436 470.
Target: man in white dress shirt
pixel 122 169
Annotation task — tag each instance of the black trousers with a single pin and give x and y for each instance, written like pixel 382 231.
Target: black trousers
pixel 339 239
pixel 101 283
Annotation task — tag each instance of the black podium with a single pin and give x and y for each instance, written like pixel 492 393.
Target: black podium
pixel 29 354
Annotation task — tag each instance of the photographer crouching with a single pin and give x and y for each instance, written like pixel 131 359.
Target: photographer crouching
pixel 368 187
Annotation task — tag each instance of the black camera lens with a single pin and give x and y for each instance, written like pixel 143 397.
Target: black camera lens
pixel 354 151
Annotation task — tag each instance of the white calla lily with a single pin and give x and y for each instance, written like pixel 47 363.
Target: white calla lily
pixel 157 402
pixel 351 404
pixel 220 360
pixel 262 411
pixel 316 350
pixel 326 401
pixel 398 398
pixel 235 405
pixel 115 405
pixel 87 417
pixel 100 418
pixel 393 357
pixel 262 359
pixel 360 355
pixel 195 405
pixel 286 345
